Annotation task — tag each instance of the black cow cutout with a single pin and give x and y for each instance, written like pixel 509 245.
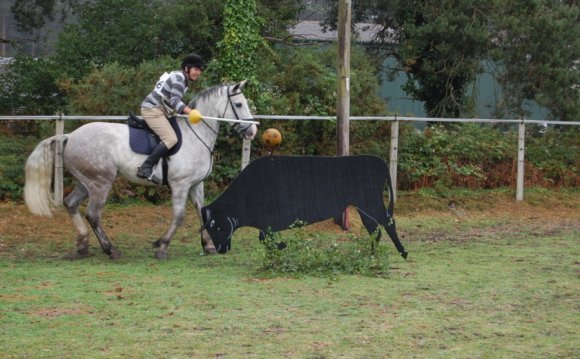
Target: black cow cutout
pixel 274 192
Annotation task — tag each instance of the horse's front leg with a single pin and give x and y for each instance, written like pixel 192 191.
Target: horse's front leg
pixel 197 198
pixel 179 200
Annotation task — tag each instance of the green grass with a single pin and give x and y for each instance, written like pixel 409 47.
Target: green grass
pixel 474 287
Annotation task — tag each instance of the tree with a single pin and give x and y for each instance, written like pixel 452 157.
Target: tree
pixel 28 86
pixel 131 31
pixel 441 45
pixel 537 49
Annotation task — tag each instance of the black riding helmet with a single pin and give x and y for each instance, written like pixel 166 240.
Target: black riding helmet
pixel 192 60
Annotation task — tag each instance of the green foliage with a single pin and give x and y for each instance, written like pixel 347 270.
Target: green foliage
pixel 29 86
pixel 443 48
pixel 541 68
pixel 302 81
pixel 131 31
pixel 280 15
pixel 114 89
pixel 555 155
pixel 535 46
pixel 478 156
pixel 237 50
pixel 29 17
pixel 309 253
pixel 13 154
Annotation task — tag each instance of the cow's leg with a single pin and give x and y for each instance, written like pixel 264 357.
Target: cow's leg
pixel 72 203
pixel 371 225
pixel 342 219
pixel 196 196
pixel 392 231
pixel 179 200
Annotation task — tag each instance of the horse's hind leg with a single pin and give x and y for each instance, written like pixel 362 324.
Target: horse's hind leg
pixel 97 199
pixel 72 203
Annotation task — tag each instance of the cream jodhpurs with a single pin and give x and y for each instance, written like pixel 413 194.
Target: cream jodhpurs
pixel 155 118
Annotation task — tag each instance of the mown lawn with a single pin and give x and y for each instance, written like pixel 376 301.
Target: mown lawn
pixel 478 283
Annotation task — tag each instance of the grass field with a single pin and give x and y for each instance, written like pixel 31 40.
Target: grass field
pixel 485 278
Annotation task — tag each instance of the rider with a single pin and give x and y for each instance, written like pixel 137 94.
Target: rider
pixel 167 97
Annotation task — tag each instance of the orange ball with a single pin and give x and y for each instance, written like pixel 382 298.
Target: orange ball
pixel 271 138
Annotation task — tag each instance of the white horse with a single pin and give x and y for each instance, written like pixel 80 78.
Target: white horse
pixel 97 152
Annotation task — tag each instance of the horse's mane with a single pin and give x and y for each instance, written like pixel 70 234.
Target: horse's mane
pixel 207 93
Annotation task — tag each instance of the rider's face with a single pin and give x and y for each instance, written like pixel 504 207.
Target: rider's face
pixel 193 73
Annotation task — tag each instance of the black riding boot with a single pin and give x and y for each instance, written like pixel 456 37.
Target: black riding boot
pixel 146 169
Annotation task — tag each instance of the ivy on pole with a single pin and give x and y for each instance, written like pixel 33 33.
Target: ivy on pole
pixel 237 50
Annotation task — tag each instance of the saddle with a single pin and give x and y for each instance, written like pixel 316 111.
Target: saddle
pixel 142 139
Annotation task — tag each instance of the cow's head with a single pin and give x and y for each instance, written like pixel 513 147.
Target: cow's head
pixel 220 228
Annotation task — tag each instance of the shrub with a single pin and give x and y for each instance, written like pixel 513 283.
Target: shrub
pixel 312 253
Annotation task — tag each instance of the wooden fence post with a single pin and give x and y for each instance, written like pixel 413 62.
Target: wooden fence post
pixel 58 166
pixel 521 157
pixel 246 149
pixel 394 156
pixel 343 85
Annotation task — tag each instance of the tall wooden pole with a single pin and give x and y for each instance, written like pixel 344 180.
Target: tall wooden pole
pixel 343 90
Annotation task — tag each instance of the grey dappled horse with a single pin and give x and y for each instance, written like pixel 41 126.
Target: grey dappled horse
pixel 97 152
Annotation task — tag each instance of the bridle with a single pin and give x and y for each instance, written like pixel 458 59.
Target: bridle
pixel 239 127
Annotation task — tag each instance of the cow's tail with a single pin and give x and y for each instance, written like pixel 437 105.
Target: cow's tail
pixel 38 172
pixel 390 225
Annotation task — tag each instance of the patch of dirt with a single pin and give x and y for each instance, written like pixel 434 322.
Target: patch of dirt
pixel 545 217
pixel 17 224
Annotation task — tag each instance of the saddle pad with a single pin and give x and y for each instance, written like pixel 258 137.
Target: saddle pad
pixel 143 142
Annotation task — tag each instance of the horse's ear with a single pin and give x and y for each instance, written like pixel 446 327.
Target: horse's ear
pixel 240 85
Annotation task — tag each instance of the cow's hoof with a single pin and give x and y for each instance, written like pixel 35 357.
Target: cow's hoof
pixel 115 254
pixel 161 255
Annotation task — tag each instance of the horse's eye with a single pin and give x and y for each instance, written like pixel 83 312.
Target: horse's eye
pixel 238 104
pixel 212 223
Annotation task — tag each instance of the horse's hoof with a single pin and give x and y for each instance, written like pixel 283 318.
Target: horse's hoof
pixel 161 255
pixel 77 255
pixel 115 254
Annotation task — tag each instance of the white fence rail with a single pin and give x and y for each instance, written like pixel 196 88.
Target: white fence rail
pixel 246 147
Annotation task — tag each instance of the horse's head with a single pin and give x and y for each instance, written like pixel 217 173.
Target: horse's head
pixel 219 228
pixel 237 108
pixel 227 101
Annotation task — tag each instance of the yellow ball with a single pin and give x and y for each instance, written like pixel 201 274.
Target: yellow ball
pixel 271 137
pixel 195 116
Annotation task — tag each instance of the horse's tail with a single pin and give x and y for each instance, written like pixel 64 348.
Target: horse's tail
pixel 39 171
